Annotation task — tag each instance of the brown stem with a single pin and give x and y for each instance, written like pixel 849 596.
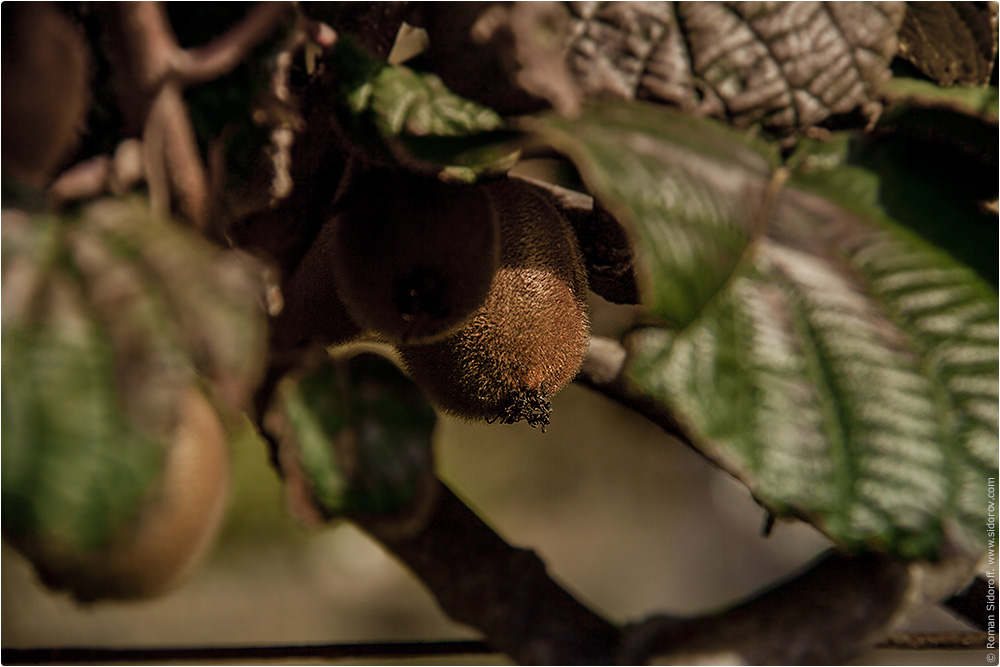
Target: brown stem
pixel 154 165
pixel 936 641
pixel 840 606
pixel 153 70
pixel 225 52
pixel 141 46
pixel 184 167
pixel 972 604
pixel 504 592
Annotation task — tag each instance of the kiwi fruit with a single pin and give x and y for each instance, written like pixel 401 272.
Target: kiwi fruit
pixel 169 534
pixel 528 339
pixel 412 257
pixel 45 89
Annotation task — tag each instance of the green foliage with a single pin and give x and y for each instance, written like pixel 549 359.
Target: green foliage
pixel 75 468
pixel 832 343
pixel 410 118
pixel 356 433
pixel 691 190
pixel 833 360
pixel 109 316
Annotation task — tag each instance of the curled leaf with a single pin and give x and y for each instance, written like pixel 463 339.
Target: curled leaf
pixel 354 439
pixel 411 118
pixel 951 42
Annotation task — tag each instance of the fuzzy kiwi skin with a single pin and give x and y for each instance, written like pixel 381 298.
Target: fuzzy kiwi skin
pixel 412 257
pixel 529 338
pixel 45 89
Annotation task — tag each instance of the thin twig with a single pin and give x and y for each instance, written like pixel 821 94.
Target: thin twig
pixel 185 168
pixel 70 655
pixel 149 44
pixel 153 71
pixel 936 641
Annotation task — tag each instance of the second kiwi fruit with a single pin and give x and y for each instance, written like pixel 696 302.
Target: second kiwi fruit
pixel 412 257
pixel 528 339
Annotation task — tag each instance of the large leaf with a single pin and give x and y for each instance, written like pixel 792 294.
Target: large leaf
pixel 847 375
pixel 783 66
pixel 110 318
pixel 691 190
pixel 829 354
pixel 75 466
pixel 780 66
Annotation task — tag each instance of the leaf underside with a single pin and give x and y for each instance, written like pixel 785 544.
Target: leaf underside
pixel 783 66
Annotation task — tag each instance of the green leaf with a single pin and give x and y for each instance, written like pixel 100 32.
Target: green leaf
pixel 108 319
pixel 357 435
pixel 972 101
pixel 212 297
pixel 847 375
pixel 411 118
pixel 928 169
pixel 691 191
pixel 75 467
pixel 316 416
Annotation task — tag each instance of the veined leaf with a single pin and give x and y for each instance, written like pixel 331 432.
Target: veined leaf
pixel 934 187
pixel 75 468
pixel 828 354
pixel 104 339
pixel 411 118
pixel 847 375
pixel 690 190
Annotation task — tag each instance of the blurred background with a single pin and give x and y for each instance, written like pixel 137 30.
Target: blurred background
pixel 630 521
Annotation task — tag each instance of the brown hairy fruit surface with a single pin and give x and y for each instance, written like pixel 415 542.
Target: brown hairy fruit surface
pixel 413 257
pixel 45 93
pixel 529 338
